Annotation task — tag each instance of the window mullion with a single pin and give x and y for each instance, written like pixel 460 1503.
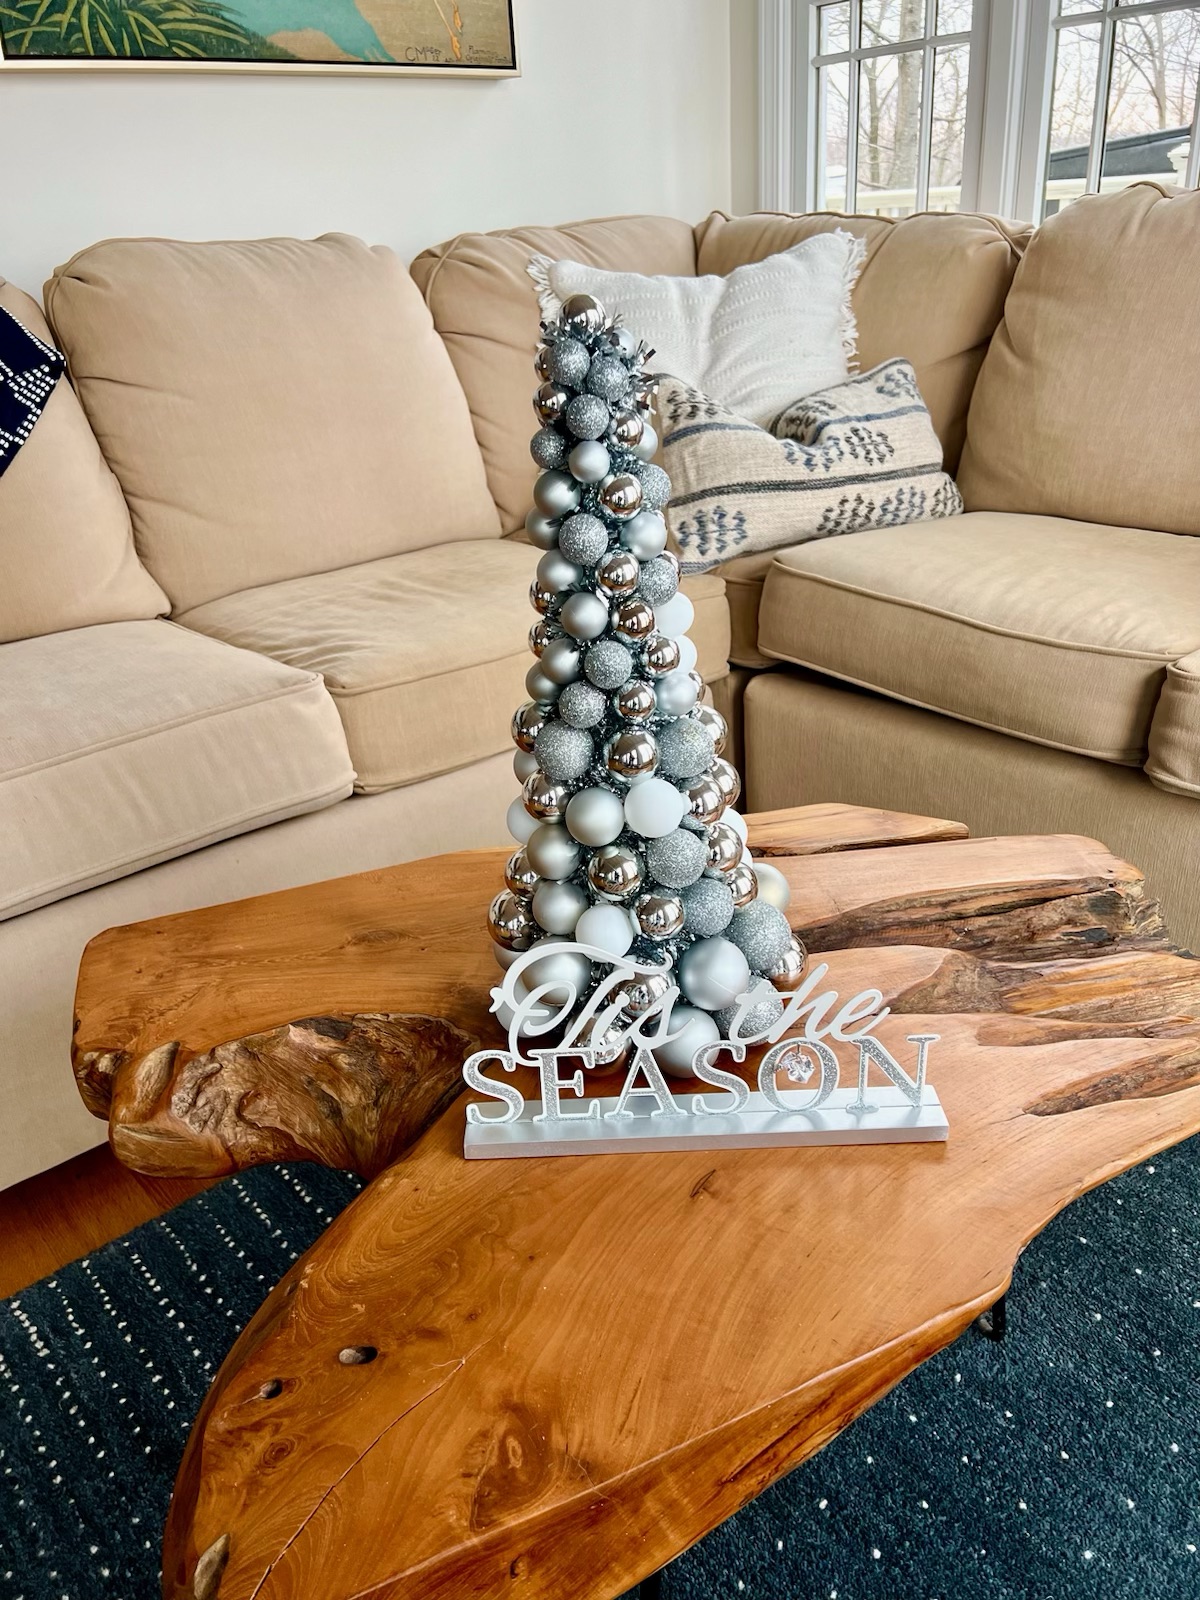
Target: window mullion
pixel 1100 110
pixel 1191 176
pixel 851 198
pixel 925 134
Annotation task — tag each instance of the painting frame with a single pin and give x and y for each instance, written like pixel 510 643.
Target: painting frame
pixel 426 67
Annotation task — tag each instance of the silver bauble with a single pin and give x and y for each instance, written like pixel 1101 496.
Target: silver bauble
pixel 676 859
pixel 659 580
pixel 685 749
pixel 618 573
pixel 645 391
pixel 583 538
pixel 773 887
pixel 542 599
pixel 660 658
pixel 563 973
pixel 582 313
pixel 556 572
pixel 628 429
pixel 540 636
pixel 569 362
pixel 562 660
pixel 713 973
pixel 608 664
pixel 548 449
pixel 659 916
pixel 742 883
pixel 625 343
pixel 541 361
pixel 609 1043
pixel 564 753
pixel 527 722
pixel 519 876
pixel 608 927
pixel 633 620
pixel 633 753
pixel 551 401
pixel 761 933
pixel 725 776
pixel 621 496
pixel 542 530
pixel 639 993
pixel 595 816
pixel 556 494
pixel 709 717
pixel 647 446
pixel 539 687
pixel 763 1014
pixel 704 798
pixel 545 798
pixel 707 907
pixel 724 843
pixel 584 615
pixel 694 1029
pixel 559 906
pixel 635 701
pixel 615 871
pixel 608 377
pixel 645 535
pixel 582 705
pixel 656 485
pixel 524 765
pixel 788 972
pixel 587 416
pixel 590 462
pixel 510 921
pixel 551 851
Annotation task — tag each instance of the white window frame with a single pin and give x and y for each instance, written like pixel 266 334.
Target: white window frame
pixel 1008 102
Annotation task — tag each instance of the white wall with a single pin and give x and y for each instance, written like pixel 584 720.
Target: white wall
pixel 743 63
pixel 624 105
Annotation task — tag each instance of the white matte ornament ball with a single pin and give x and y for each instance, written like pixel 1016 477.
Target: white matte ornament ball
pixel 773 887
pixel 584 615
pixel 542 530
pixel 595 816
pixel 687 653
pixel 645 536
pixel 590 462
pixel 654 808
pixel 561 968
pixel 562 661
pixel 737 822
pixel 524 765
pixel 520 824
pixel 676 616
pixel 713 973
pixel 695 1029
pixel 607 927
pixel 550 850
pixel 559 906
pixel 539 687
pixel 647 445
pixel 676 693
pixel 556 572
pixel 556 494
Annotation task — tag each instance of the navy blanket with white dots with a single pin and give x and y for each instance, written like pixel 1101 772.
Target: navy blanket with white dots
pixel 29 369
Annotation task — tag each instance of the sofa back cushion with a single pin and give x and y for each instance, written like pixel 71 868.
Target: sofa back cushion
pixel 931 290
pixel 1086 405
pixel 485 307
pixel 66 548
pixel 272 407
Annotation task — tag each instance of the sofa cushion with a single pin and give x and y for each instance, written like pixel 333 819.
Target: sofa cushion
pixel 272 407
pixel 128 743
pixel 1055 631
pixel 486 310
pixel 424 654
pixel 66 547
pixel 1086 404
pixel 1174 762
pixel 932 290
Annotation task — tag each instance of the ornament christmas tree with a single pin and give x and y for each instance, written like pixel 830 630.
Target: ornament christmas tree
pixel 630 843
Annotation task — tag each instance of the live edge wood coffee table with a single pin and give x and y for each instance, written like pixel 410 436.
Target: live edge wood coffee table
pixel 544 1379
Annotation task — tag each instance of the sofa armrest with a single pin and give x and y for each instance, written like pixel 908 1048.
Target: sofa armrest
pixel 1174 759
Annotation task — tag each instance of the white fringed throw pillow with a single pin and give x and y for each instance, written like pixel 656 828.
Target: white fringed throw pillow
pixel 753 340
pixel 862 454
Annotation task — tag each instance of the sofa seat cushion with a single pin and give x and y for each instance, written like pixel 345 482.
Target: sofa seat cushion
pixel 128 743
pixel 425 654
pixel 1056 631
pixel 1174 762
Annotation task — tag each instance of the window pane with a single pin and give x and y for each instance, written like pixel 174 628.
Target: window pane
pixel 835 28
pixel 955 16
pixel 949 127
pixel 889 116
pixel 890 21
pixel 1151 98
pixel 1076 64
pixel 1068 8
pixel 833 97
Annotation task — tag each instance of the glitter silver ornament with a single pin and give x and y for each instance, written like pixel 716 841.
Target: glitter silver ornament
pixel 608 664
pixel 713 973
pixel 582 313
pixel 551 851
pixel 527 722
pixel 633 620
pixel 763 1014
pixel 555 571
pixel 510 921
pixel 589 461
pixel 656 485
pixel 582 705
pixel 638 994
pixel 584 615
pixel 659 916
pixel 724 843
pixel 618 573
pixel 788 972
pixel 563 752
pixel 608 377
pixel 587 416
pixel 676 859
pixel 677 693
pixel 685 749
pixel 632 753
pixel 659 580
pixel 545 798
pixel 761 933
pixel 596 816
pixel 628 429
pixel 635 701
pixel 541 634
pixel 583 539
pixel 645 535
pixel 569 362
pixel 725 776
pixel 709 717
pixel 539 687
pixel 621 496
pixel 660 659
pixel 704 798
pixel 551 402
pixel 559 906
pixel 562 660
pixel 742 883
pixel 542 599
pixel 548 448
pixel 615 871
pixel 556 494
pixel 707 907
pixel 519 876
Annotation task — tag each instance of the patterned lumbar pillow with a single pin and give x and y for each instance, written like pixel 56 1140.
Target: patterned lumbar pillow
pixel 862 454
pixel 754 339
pixel 29 370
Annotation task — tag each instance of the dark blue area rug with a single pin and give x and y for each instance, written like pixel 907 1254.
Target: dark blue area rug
pixel 1062 1463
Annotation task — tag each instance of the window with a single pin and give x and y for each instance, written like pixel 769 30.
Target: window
pixel 895 106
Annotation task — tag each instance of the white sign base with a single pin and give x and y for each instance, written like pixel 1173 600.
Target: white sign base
pixel 890 1118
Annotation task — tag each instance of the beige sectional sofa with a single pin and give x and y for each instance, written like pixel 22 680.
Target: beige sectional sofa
pixel 263 618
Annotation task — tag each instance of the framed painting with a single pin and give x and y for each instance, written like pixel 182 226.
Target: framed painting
pixel 470 38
